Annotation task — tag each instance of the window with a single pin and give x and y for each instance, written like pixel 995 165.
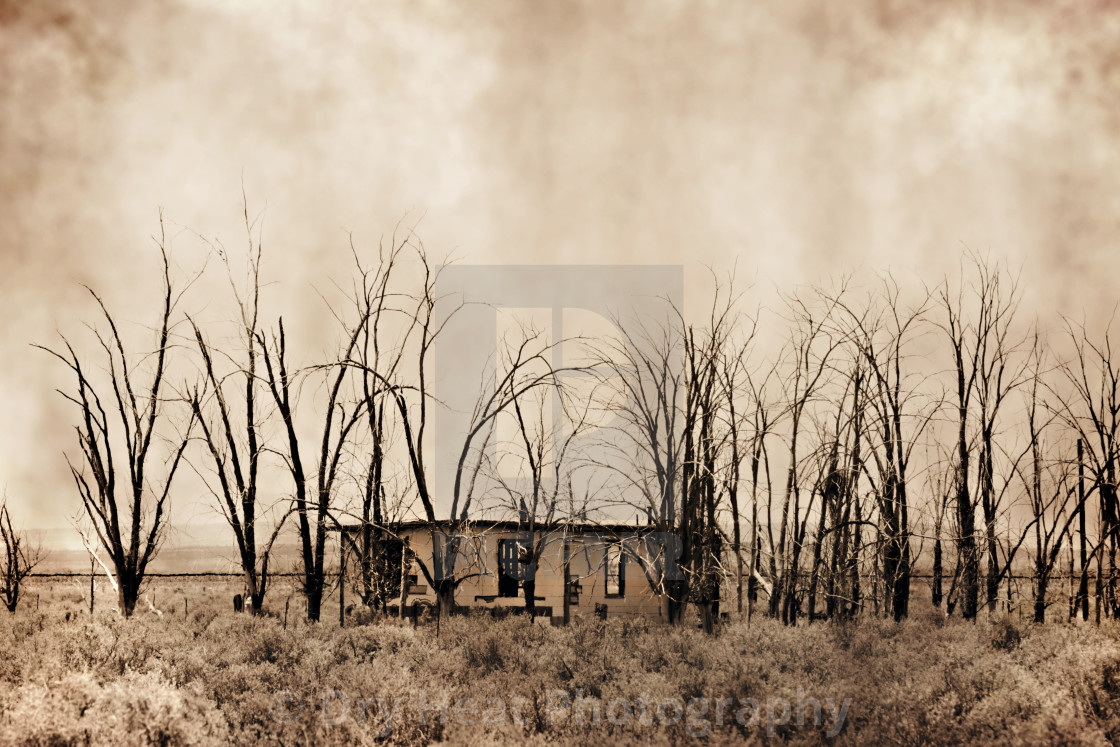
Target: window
pixel 615 567
pixel 509 567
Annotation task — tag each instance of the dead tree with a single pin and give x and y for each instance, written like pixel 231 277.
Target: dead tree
pixel 679 444
pixel 384 364
pixel 836 461
pixel 542 495
pixel 735 380
pixel 229 410
pixel 20 559
pixel 898 412
pixel 406 385
pixel 809 353
pixel 761 425
pixel 979 321
pixel 521 368
pixel 338 418
pixel 642 372
pixel 394 377
pixel 697 526
pixel 378 357
pixel 940 474
pixel 1050 483
pixel 129 519
pixel 1092 409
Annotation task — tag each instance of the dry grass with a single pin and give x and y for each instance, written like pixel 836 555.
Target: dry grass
pixel 215 677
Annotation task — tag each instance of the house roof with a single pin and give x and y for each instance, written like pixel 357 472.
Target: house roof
pixel 581 527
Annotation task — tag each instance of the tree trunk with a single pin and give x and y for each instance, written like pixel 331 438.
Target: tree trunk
pixel 1109 515
pixel 970 562
pixel 529 571
pixel 892 562
pixel 254 594
pixel 738 544
pixel 366 564
pixel 567 580
pixel 987 502
pixel 938 573
pixel 314 592
pixel 445 594
pixel 966 511
pixel 853 562
pixel 1083 584
pixel 752 581
pixel 900 600
pixel 128 590
pixel 530 587
pixel 675 602
pixel 1040 598
pixel 406 566
pixel 814 575
pixel 707 617
pixel 1100 586
pixel 991 578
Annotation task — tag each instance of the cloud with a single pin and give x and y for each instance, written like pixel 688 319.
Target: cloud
pixel 796 140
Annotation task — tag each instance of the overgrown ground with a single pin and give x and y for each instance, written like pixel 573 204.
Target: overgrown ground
pixel 213 677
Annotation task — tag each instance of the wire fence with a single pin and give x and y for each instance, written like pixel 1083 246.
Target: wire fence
pixel 191 574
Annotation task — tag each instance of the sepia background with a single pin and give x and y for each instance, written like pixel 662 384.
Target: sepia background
pixel 789 141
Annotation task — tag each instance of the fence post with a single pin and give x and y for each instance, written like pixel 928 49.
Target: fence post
pixel 342 579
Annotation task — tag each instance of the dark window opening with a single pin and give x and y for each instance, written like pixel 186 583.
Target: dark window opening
pixel 574 589
pixel 509 568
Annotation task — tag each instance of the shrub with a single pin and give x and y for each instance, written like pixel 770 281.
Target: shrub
pixel 1004 635
pixel 484 654
pixel 178 681
pixel 135 709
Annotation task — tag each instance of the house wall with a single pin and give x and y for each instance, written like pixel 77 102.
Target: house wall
pixel 479 555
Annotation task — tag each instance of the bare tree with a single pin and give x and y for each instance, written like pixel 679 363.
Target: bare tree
pixel 521 368
pixel 377 359
pixel 235 446
pixel 338 419
pixel 940 474
pixel 709 469
pixel 393 338
pixel 898 413
pixel 1092 410
pixel 643 375
pixel 813 344
pixel 129 519
pixel 679 444
pixel 542 494
pixel 837 466
pixel 20 559
pixel 979 322
pixel 735 378
pixel 761 420
pixel 390 343
pixel 1050 482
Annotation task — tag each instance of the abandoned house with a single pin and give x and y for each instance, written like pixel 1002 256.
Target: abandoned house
pixel 508 568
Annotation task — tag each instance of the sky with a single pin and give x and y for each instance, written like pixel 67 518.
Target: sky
pixel 791 141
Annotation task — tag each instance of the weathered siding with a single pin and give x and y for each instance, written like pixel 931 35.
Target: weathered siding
pixel 479 555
